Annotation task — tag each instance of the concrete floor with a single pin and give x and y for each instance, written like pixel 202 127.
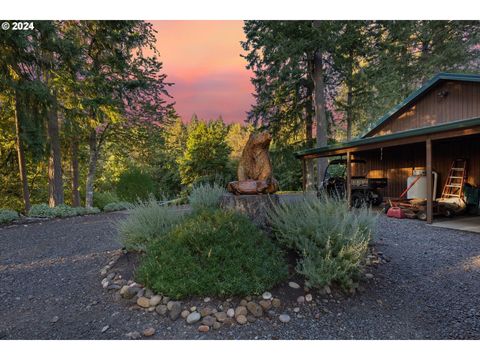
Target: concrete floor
pixel 465 223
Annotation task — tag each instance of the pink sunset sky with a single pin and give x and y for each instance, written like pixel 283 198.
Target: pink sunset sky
pixel 203 59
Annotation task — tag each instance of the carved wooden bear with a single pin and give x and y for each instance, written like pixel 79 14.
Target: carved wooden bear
pixel 255 169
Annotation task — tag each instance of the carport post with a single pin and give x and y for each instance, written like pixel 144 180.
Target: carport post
pixel 349 178
pixel 428 163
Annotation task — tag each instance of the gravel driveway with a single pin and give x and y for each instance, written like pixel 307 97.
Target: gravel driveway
pixel 50 288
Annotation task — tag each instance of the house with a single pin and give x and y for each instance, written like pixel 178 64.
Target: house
pixel 432 127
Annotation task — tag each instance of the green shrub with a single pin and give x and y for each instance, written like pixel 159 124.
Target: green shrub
pixel 134 185
pixel 101 199
pixel 44 211
pixel 332 241
pixel 117 206
pixel 147 220
pixel 7 216
pixel 206 196
pixel 212 253
pixel 41 210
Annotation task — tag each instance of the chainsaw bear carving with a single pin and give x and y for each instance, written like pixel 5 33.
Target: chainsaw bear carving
pixel 255 169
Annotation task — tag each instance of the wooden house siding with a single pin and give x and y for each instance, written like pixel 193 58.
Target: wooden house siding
pixel 461 102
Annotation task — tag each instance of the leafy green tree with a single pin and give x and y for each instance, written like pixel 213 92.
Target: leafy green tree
pixel 206 153
pixel 120 84
pixel 291 82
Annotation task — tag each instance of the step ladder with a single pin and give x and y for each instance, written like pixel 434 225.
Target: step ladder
pixel 455 180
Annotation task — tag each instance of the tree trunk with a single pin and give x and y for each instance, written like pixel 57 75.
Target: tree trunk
pixel 320 113
pixel 55 181
pixel 75 173
pixel 310 170
pixel 92 168
pixel 349 111
pixel 350 97
pixel 21 157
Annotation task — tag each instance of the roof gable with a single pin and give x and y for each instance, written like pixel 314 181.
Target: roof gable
pixel 418 93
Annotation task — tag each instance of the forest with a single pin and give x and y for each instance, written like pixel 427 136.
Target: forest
pixel 87 118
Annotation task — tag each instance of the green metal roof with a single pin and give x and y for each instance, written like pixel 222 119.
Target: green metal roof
pixel 419 92
pixel 454 125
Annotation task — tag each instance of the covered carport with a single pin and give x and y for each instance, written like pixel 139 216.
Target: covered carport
pixel 436 145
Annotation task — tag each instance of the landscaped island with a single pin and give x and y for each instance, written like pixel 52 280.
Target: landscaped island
pixel 241 271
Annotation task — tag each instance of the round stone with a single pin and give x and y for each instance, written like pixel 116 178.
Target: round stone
pixel 207 299
pixel 155 300
pixel 301 299
pixel 284 318
pixel 221 316
pixel 193 308
pixel 296 309
pixel 243 302
pixel 255 309
pixel 276 303
pixel 184 314
pixel 229 321
pixel 265 304
pixel 207 310
pixel 241 319
pixel 230 313
pixel 266 295
pixel 175 310
pixel 217 325
pixel 134 335
pixel 241 310
pixel 208 320
pixel 143 302
pixel 203 328
pixel 128 292
pixel 293 285
pixel 308 297
pixel 149 332
pixel 369 276
pixel 193 317
pixel 161 309
pixel 165 300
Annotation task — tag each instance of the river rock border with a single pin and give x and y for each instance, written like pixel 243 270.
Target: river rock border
pixel 212 314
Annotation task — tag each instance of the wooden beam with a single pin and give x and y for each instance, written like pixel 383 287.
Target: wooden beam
pixel 349 178
pixel 428 162
pixel 398 142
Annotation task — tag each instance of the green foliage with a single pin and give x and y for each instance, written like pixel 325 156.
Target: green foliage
pixel 331 240
pixel 212 253
pixel 369 66
pixel 287 169
pixel 117 206
pixel 206 196
pixel 134 185
pixel 147 220
pixel 44 211
pixel 101 199
pixel 206 155
pixel 7 216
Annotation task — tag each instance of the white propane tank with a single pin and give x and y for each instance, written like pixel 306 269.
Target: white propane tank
pixel 419 189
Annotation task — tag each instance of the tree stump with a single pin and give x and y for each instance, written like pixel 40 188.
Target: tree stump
pixel 253 206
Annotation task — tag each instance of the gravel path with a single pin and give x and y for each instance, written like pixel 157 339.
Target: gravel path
pixel 50 288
